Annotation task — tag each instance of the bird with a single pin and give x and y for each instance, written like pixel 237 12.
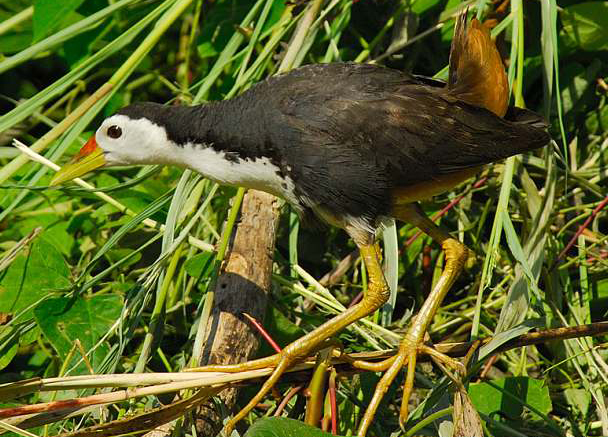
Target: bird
pixel 352 145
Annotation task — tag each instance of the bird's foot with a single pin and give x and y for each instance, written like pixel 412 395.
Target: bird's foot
pixel 294 353
pixel 281 362
pixel 406 355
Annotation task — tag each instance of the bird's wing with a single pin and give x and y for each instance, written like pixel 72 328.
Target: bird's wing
pixel 354 134
pixel 413 133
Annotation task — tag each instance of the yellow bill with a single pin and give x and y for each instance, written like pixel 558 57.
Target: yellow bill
pixel 87 159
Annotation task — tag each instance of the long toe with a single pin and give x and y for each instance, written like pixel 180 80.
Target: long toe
pixel 383 385
pixel 285 362
pixel 407 355
pixel 270 361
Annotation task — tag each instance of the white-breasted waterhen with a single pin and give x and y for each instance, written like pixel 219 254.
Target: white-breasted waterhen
pixel 352 144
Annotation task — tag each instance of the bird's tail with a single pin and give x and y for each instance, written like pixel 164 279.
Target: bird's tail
pixel 477 74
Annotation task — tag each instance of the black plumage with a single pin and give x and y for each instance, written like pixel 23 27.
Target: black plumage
pixel 348 135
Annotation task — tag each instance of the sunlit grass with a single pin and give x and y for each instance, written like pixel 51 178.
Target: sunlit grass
pixel 136 240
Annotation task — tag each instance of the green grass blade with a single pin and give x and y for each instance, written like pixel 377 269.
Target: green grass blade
pixel 63 35
pixel 391 271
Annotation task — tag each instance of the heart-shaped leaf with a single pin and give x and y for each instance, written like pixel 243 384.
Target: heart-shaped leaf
pixel 283 427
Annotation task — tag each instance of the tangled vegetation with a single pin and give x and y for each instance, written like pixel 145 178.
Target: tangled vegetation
pixel 114 279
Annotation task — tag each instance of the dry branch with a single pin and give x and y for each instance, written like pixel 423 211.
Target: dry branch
pixel 242 287
pixel 159 382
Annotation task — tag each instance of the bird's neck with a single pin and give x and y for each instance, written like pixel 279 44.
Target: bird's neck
pixel 226 141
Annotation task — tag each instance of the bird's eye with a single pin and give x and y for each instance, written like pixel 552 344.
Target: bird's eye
pixel 114 131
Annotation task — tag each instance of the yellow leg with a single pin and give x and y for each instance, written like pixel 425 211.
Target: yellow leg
pixel 412 343
pixel 377 295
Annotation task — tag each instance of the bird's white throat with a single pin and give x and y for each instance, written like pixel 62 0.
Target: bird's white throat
pixel 259 173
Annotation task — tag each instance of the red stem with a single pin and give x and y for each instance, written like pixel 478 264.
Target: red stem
pixel 262 331
pixel 580 230
pixel 333 403
pixel 290 394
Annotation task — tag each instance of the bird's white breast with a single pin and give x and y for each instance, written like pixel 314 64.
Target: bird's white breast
pixel 258 173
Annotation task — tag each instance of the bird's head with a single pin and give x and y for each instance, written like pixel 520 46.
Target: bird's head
pixel 132 136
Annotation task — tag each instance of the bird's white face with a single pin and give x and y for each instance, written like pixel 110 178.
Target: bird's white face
pixel 125 141
pixel 121 140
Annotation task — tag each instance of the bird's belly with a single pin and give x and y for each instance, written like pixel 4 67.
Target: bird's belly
pixel 426 190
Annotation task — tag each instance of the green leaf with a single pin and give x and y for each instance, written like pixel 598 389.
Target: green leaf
pixel 115 255
pixel 501 337
pixel 421 6
pixel 13 337
pixel 447 31
pixel 587 24
pixel 206 50
pixel 116 102
pixel 276 11
pixel 369 381
pixel 515 246
pixel 7 353
pixel 597 120
pixel 79 47
pixel 599 302
pixel 89 7
pixel 283 427
pixel 200 265
pixel 134 200
pixel 55 231
pixel 412 252
pixel 87 319
pixel 32 276
pixel 219 22
pixel 579 399
pixel 14 42
pixel 281 329
pixel 48 14
pixel 509 395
